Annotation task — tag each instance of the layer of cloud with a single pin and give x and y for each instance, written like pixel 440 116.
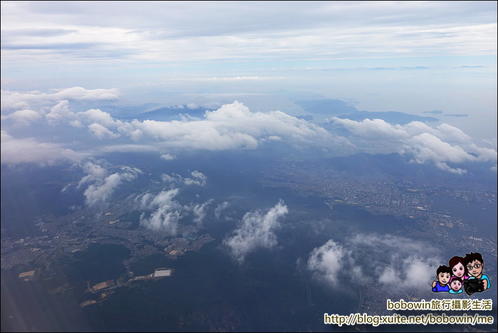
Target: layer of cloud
pixel 235 126
pixel 441 145
pixel 175 31
pixel 16 99
pixel 30 150
pixel 372 259
pixel 230 127
pixel 257 230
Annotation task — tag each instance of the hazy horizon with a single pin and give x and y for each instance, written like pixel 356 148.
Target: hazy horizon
pixel 411 57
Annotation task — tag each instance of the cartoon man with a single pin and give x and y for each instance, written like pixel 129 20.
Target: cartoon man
pixel 455 285
pixel 475 266
pixel 443 275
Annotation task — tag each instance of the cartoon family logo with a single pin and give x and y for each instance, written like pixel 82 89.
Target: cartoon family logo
pixel 462 272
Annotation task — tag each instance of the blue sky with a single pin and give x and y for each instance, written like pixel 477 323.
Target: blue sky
pixel 409 56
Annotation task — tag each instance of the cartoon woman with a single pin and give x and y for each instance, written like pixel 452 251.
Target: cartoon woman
pixel 455 285
pixel 458 269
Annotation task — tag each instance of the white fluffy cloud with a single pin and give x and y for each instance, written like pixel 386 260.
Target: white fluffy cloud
pixel 163 213
pixel 22 117
pixel 59 112
pixel 230 127
pixel 102 184
pixel 327 261
pixel 101 131
pixel 367 259
pixel 440 145
pixel 29 150
pixel 168 157
pixel 166 211
pixel 257 230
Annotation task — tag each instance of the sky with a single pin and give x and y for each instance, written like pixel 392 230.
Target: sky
pixel 382 56
pixel 415 57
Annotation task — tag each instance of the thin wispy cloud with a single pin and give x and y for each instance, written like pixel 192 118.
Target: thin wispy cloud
pixel 253 31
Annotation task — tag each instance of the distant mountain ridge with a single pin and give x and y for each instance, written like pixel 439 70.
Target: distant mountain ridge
pixel 322 109
pixel 169 113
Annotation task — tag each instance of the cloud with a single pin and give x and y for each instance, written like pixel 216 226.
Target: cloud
pixel 257 230
pixel 220 208
pixel 12 100
pixel 103 185
pixel 232 126
pixel 98 116
pixel 29 150
pixel 235 126
pixel 199 211
pixel 22 117
pixel 198 178
pixel 385 260
pixel 124 148
pixel 229 78
pixel 411 273
pixel 327 261
pixel 163 213
pixel 168 157
pixel 440 145
pixel 97 193
pixel 46 46
pixel 39 32
pixel 166 211
pixel 175 31
pixel 94 173
pixel 60 111
pixel 101 132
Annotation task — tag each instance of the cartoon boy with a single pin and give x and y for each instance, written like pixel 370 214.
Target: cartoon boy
pixel 443 275
pixel 455 285
pixel 475 265
pixel 458 268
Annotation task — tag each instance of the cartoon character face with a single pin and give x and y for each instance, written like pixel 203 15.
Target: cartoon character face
pixel 456 285
pixel 475 268
pixel 458 270
pixel 443 278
